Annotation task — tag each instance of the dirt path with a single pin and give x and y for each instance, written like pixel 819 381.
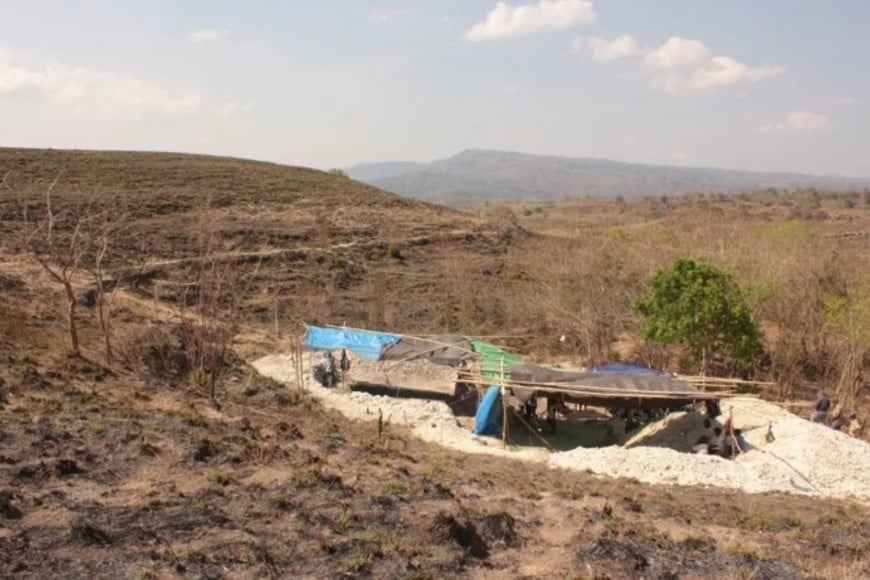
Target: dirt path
pixel 232 256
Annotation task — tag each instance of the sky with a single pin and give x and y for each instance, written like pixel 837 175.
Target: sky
pixel 778 85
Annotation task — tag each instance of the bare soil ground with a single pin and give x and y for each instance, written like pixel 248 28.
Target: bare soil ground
pixel 124 475
pixel 125 472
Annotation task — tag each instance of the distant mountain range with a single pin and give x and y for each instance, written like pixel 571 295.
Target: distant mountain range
pixel 476 175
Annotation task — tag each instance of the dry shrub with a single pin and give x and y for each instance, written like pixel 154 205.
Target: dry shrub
pixel 583 291
pixel 158 351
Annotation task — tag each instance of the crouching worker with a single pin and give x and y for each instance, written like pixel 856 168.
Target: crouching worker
pixel 324 372
pixel 844 422
pixel 823 403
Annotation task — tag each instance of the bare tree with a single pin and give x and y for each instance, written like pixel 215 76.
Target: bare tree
pixel 60 253
pixel 102 238
pixel 72 240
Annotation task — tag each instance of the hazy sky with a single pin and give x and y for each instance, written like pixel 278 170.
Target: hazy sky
pixel 755 84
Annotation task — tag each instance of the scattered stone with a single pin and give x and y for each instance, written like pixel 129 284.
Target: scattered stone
pixel 66 467
pixel 204 450
pixel 149 449
pixel 7 508
pixel 31 379
pixel 291 430
pixel 33 471
pixel 386 501
pixel 88 299
pixel 499 528
pixel 8 283
pixel 447 529
pixel 88 533
pixel 438 491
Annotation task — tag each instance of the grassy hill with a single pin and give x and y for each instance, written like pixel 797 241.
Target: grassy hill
pixel 328 247
pixel 476 175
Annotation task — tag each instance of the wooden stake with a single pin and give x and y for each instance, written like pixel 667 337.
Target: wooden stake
pixel 533 432
pixel 504 421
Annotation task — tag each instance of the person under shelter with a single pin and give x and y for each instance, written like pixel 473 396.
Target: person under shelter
pixel 820 412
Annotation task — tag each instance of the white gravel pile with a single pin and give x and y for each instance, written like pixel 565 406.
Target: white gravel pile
pixel 429 420
pixel 805 458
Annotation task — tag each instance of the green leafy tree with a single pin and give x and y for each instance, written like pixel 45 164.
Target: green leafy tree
pixel 700 307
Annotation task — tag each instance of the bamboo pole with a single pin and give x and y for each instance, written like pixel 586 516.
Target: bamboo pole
pixel 533 432
pixel 504 426
pixel 595 391
pixel 728 380
pixel 477 336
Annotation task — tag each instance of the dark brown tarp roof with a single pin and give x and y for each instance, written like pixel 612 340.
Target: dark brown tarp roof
pixel 445 349
pixel 616 389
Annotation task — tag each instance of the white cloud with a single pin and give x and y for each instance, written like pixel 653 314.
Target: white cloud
pixel 724 70
pixel 841 102
pixel 90 91
pixel 677 53
pixel 384 16
pixel 207 35
pixel 799 122
pixel 504 21
pixel 233 108
pixel 604 50
pixel 685 65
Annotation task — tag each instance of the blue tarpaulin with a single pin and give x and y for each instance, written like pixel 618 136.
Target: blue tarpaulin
pixel 365 343
pixel 487 421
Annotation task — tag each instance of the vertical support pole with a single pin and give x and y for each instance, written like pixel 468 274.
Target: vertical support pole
pixel 504 421
pixel 277 327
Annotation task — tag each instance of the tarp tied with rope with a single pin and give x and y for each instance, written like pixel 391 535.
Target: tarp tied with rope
pixel 627 387
pixel 365 343
pixel 618 385
pixel 446 349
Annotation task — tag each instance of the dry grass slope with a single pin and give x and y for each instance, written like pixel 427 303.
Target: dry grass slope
pixel 132 471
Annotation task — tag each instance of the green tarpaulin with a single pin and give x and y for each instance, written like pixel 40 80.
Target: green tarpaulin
pixel 494 360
